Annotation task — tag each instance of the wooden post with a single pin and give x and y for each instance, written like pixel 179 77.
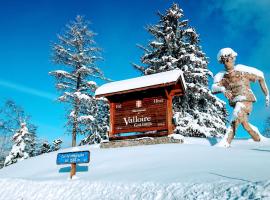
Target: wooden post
pixel 112 113
pixel 169 115
pixel 73 170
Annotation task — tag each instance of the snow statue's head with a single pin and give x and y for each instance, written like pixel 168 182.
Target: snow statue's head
pixel 226 54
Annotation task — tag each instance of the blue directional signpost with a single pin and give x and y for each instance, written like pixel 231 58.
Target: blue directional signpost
pixel 73 158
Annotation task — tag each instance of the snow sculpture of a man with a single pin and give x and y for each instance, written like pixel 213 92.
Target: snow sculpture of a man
pixel 235 84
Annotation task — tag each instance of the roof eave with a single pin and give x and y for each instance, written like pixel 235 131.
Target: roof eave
pixel 137 89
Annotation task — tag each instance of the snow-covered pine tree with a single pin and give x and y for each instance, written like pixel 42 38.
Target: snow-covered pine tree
pixel 44 147
pixel 176 45
pixel 56 144
pixel 23 146
pixel 77 50
pixel 11 117
pixel 98 123
pixel 266 131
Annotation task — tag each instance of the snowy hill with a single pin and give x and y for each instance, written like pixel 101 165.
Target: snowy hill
pixel 194 170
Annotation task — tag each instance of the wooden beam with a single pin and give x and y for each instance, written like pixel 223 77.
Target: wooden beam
pixel 169 115
pixel 176 92
pixel 112 118
pixel 167 93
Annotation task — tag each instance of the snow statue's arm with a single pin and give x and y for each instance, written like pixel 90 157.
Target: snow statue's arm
pixel 265 90
pixel 260 78
pixel 256 75
pixel 217 86
pixel 263 85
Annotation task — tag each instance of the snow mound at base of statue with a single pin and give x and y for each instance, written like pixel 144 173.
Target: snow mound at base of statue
pixel 195 169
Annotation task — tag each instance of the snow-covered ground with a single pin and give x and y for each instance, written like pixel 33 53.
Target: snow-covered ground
pixel 194 170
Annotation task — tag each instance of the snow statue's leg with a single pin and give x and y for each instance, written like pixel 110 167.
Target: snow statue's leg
pixel 256 130
pixel 223 142
pixel 254 134
pixel 234 125
pixel 238 115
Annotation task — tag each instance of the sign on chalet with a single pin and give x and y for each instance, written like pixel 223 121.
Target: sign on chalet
pixel 142 105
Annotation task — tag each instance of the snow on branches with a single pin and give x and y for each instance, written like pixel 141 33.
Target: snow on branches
pixel 77 50
pixel 23 146
pixel 176 45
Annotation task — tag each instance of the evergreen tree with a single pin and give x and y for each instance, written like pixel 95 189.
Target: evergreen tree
pixel 11 118
pixel 56 144
pixel 266 131
pixel 23 146
pixel 44 147
pixel 98 125
pixel 32 140
pixel 77 50
pixel 176 45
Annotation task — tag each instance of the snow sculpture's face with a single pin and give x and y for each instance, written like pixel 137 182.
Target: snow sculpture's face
pixel 229 63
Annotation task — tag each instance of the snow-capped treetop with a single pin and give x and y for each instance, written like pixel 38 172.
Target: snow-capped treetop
pixel 226 52
pixel 23 145
pixel 57 141
pixel 77 48
pixel 21 133
pixel 141 82
pixel 174 46
pixel 175 11
pixel 56 145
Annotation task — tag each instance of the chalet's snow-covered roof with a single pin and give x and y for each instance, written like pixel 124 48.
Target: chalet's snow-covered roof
pixel 142 82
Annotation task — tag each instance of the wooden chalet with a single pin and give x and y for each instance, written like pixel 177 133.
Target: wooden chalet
pixel 142 105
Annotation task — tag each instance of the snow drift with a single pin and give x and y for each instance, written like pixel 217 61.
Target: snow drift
pixel 194 170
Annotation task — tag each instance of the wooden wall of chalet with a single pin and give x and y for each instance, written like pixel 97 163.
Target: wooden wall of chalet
pixel 142 111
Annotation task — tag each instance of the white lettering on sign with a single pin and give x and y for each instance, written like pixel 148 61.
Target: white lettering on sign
pixel 136 119
pixel 73 157
pixel 139 110
pixel 158 100
pixel 143 124
pixel 161 124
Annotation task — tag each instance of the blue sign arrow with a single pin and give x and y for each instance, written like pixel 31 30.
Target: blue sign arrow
pixel 73 157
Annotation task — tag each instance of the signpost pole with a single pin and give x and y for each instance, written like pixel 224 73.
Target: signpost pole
pixel 73 170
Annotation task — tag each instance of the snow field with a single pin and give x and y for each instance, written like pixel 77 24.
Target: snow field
pixel 87 190
pixel 193 170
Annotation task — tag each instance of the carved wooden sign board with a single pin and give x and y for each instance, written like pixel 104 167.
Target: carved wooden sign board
pixel 142 104
pixel 142 114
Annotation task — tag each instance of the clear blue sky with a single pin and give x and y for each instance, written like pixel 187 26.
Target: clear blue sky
pixel 28 29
